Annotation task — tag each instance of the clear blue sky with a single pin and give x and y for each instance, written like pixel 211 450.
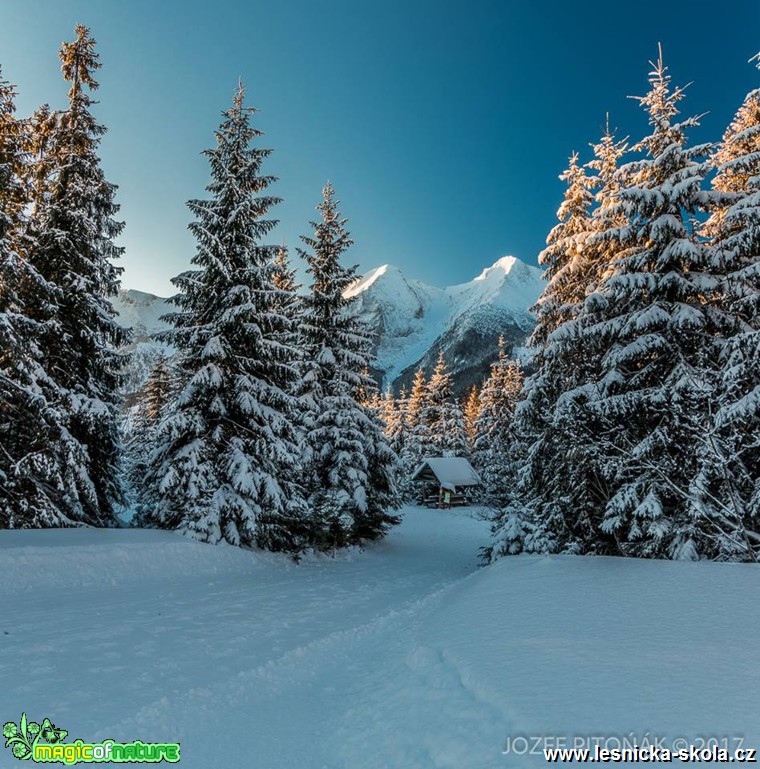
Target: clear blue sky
pixel 443 125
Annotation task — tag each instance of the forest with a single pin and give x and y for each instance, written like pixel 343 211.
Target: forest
pixel 632 429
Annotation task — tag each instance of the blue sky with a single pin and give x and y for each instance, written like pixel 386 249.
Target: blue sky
pixel 443 125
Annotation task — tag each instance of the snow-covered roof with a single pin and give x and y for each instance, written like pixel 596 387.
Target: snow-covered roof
pixel 448 470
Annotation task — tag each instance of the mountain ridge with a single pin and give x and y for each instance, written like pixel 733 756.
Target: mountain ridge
pixel 411 321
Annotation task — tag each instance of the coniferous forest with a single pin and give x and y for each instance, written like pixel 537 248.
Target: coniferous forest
pixel 631 429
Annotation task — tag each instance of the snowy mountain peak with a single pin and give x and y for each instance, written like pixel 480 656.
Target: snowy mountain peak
pixel 411 321
pixel 500 268
pixel 386 272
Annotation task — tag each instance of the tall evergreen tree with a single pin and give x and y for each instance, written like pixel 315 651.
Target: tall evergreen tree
pixel 29 475
pixel 653 328
pixel 471 410
pixel 443 414
pixel 398 433
pixel 600 247
pixel 546 488
pixel 71 246
pixel 729 481
pixel 494 438
pixel 419 444
pixel 227 460
pixel 564 257
pixel 352 482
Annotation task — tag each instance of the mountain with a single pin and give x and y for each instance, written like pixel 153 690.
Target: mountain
pixel 411 322
pixel 141 312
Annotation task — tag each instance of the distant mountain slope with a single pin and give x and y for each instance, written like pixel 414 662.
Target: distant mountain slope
pixel 410 320
pixel 413 322
pixel 141 312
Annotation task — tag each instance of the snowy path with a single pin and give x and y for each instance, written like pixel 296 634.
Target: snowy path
pixel 150 636
pixel 404 656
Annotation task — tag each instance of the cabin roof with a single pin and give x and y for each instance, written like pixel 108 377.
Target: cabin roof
pixel 456 471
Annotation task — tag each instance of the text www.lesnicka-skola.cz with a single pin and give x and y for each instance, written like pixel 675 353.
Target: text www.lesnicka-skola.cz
pixel 651 754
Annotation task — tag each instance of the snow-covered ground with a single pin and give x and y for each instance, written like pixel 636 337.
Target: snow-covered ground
pixel 400 656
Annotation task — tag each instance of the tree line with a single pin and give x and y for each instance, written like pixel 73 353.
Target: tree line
pixel 254 433
pixel 638 432
pixel 635 433
pixel 428 421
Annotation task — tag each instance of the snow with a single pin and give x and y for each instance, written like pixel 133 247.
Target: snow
pixel 409 314
pixel 412 315
pixel 363 283
pixel 404 655
pixel 141 312
pixel 456 471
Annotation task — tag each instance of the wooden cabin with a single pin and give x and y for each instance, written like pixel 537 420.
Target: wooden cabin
pixel 445 481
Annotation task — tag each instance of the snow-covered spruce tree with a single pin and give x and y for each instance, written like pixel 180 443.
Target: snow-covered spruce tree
pixel 418 443
pixel 399 439
pixel 540 504
pixel 443 415
pixel 226 460
pixel 563 259
pixel 140 436
pixel 71 246
pixel 728 484
pixel 29 472
pixel 655 326
pixel 600 248
pixel 494 438
pixel 560 489
pixel 471 410
pixel 352 481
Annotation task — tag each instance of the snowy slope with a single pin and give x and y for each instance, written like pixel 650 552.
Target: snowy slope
pixel 411 321
pixel 141 312
pixel 404 656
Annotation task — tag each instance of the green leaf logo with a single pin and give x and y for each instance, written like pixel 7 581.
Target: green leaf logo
pixel 22 738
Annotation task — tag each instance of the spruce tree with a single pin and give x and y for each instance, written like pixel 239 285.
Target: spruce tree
pixel 471 409
pixel 494 438
pixel 398 433
pixel 728 483
pixel 70 244
pixel 443 414
pixel 352 479
pixel 227 462
pixel 419 443
pixel 653 328
pixel 29 470
pixel 543 497
pixel 564 257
